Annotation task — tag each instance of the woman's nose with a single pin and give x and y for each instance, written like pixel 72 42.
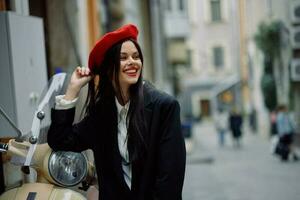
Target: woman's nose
pixel 130 60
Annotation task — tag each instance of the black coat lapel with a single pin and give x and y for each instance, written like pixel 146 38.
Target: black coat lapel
pixel 138 165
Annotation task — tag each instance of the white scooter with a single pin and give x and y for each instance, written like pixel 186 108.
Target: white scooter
pixel 47 174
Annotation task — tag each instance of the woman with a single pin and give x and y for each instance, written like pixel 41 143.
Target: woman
pixel 133 129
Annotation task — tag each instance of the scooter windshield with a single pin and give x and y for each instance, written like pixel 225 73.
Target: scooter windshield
pixel 56 86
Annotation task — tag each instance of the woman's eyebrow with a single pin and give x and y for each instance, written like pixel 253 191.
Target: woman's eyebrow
pixel 125 53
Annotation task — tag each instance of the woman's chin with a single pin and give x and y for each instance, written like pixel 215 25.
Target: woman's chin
pixel 129 82
pixel 132 81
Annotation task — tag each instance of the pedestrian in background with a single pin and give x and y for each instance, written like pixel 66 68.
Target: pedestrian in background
pixel 253 120
pixel 286 130
pixel 133 129
pixel 221 124
pixel 273 121
pixel 235 124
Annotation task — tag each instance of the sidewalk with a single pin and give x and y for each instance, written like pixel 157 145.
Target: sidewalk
pixel 199 151
pixel 204 141
pixel 227 173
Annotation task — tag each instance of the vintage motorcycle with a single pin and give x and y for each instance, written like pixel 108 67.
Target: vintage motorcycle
pixel 47 174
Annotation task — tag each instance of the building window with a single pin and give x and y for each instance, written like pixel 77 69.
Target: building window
pixel 218 57
pixel 215 7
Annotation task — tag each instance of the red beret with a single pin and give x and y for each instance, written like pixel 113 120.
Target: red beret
pixel 108 40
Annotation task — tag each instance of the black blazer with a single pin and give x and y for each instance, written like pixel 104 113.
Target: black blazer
pixel 159 175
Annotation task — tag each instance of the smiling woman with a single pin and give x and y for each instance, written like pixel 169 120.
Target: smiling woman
pixel 133 129
pixel 131 63
pixel 130 67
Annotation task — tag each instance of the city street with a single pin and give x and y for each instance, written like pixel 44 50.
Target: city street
pixel 228 173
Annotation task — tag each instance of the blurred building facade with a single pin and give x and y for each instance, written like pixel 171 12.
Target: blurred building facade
pixel 294 11
pixel 227 67
pixel 176 31
pixel 213 80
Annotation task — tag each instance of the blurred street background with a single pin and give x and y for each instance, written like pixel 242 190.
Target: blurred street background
pixel 233 65
pixel 229 173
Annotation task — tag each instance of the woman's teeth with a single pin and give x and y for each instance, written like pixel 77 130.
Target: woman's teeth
pixel 131 71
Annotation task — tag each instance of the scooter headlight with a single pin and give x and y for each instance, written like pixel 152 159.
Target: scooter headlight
pixel 67 168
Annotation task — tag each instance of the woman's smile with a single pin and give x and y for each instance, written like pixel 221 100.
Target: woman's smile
pixel 131 71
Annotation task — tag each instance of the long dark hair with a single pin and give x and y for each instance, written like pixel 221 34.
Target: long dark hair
pixel 101 90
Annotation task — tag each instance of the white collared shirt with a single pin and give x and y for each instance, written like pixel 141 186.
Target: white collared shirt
pixel 62 104
pixel 122 140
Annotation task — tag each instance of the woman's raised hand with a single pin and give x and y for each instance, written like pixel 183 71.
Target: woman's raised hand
pixel 80 77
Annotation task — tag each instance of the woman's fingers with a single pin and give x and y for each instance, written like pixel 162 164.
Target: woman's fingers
pixel 81 76
pixel 83 71
pixel 87 71
pixel 78 70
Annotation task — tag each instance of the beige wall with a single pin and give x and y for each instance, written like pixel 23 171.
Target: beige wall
pixel 205 35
